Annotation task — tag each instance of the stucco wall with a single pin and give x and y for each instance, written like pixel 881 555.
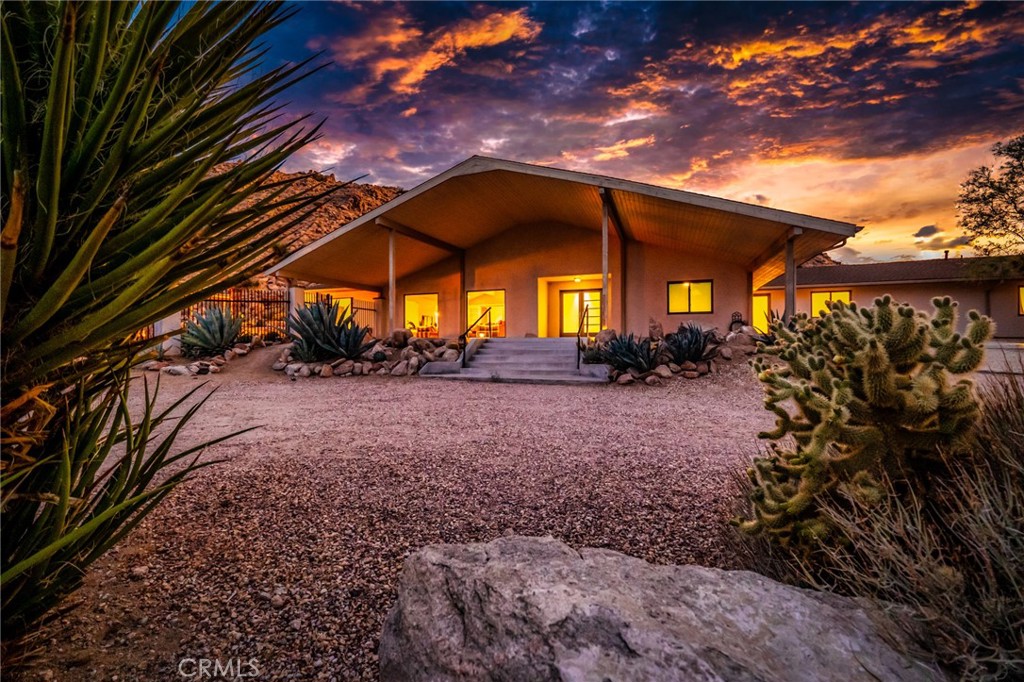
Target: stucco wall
pixel 1001 305
pixel 516 259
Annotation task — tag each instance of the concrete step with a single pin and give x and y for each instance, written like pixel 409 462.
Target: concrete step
pixel 519 377
pixel 525 370
pixel 521 357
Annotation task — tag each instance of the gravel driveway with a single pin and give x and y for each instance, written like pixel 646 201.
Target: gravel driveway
pixel 288 553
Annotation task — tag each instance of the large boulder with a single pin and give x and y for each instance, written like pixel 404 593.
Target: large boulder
pixel 604 337
pixel 535 609
pixel 400 337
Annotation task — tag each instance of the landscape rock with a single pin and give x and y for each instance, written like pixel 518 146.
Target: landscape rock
pixel 702 367
pixel 401 369
pixel 229 354
pixel 521 608
pixel 653 380
pixel 450 355
pixel 625 379
pixel 605 336
pixel 293 368
pixel 676 369
pixel 217 360
pixel 176 370
pixel 663 371
pixel 343 366
pixel 357 368
pixel 725 353
pixel 258 342
pixel 414 363
pixel 690 374
pixel 688 366
pixel 377 348
pixel 279 365
pixel 326 371
pixel 452 345
pixel 421 345
pixel 214 369
pixel 400 338
pixel 304 371
pixel 655 330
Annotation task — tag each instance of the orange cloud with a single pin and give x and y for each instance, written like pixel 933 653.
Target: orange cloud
pixel 621 148
pixel 396 50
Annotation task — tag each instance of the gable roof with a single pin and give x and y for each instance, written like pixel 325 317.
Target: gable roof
pixel 482 197
pixel 907 272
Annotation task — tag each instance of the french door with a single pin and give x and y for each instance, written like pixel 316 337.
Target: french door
pixel 574 305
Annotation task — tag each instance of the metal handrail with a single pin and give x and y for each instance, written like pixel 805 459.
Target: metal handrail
pixel 584 324
pixel 463 336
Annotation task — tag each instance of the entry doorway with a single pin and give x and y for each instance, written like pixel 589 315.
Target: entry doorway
pixel 761 313
pixel 574 304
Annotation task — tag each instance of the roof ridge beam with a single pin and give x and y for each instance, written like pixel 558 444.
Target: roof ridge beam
pixel 413 233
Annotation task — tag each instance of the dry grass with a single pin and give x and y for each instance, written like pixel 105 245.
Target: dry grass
pixel 289 552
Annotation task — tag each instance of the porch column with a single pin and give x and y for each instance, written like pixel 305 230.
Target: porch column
pixel 790 307
pixel 171 323
pixel 604 264
pixel 391 281
pixel 463 307
pixel 296 298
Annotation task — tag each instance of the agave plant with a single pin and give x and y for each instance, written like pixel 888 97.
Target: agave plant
pixel 690 343
pixel 320 331
pixel 212 332
pixel 118 209
pixel 628 352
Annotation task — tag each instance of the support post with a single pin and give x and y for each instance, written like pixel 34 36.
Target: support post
pixel 391 281
pixel 790 308
pixel 604 265
pixel 463 304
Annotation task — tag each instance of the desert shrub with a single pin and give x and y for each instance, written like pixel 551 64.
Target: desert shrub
pixel 690 343
pixel 953 555
pixel 870 392
pixel 210 333
pixel 321 332
pixel 114 115
pixel 628 352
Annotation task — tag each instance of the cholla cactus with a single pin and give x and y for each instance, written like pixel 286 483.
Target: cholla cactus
pixel 872 391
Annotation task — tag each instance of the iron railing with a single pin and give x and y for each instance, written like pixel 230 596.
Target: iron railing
pixel 262 312
pixel 584 324
pixel 463 337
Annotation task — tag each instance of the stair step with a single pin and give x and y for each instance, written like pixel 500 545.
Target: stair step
pixel 520 378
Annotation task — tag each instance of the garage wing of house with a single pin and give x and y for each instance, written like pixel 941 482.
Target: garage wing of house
pixel 501 225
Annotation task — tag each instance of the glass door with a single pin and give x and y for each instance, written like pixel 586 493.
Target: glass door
pixel 573 305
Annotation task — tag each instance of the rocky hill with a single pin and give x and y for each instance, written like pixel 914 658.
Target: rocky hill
pixel 342 206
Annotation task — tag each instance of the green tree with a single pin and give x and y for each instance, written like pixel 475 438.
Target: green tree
pixel 119 208
pixel 991 204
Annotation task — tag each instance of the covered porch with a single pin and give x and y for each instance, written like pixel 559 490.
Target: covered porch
pixel 527 243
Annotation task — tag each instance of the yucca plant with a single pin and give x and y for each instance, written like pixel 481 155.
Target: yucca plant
pixel 628 352
pixel 118 209
pixel 210 332
pixel 690 343
pixel 321 331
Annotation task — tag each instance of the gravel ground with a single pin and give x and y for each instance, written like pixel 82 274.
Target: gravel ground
pixel 289 552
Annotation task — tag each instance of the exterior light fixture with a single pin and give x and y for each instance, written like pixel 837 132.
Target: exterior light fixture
pixel 577 279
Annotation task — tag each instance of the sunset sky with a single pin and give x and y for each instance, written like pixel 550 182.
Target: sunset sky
pixel 871 113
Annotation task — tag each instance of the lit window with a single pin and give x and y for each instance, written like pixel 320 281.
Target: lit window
pixel 478 303
pixel 421 316
pixel 820 298
pixel 690 297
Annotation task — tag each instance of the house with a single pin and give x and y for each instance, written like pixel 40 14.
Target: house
pixel 518 250
pixel 992 286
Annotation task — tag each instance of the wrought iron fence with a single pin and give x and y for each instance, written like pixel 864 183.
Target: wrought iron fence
pixel 262 312
pixel 365 311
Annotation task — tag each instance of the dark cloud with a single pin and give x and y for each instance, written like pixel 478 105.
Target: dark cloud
pixel 927 231
pixel 417 87
pixel 850 256
pixel 941 243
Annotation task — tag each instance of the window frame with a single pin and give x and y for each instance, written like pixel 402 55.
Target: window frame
pixel 810 297
pixel 405 307
pixel 689 298
pixel 1020 300
pixel 504 297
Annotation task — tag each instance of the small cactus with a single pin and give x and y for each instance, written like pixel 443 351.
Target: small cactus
pixel 859 391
